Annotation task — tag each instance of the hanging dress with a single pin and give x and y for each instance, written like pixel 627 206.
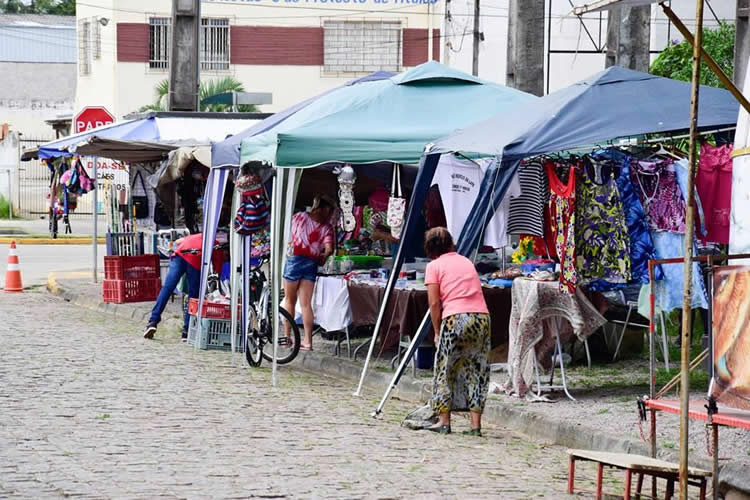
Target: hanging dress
pixel 562 205
pixel 641 245
pixel 666 202
pixel 602 242
pixel 714 182
pixel 656 184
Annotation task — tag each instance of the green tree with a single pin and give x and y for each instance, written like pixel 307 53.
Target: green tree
pixel 676 61
pixel 58 7
pixel 207 89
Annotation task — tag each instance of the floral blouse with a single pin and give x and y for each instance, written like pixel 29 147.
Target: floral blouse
pixel 656 184
pixel 562 205
pixel 602 241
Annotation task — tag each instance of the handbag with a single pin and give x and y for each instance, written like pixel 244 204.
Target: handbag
pixel 253 212
pixel 86 183
pixel 396 204
pixel 140 202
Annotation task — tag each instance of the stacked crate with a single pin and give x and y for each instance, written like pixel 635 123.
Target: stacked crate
pixel 131 278
pixel 214 330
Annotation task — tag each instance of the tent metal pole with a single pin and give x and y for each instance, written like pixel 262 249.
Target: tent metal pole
pixel 381 314
pixel 424 326
pixel 427 166
pixel 687 261
pixel 276 242
pixel 415 343
pixel 95 211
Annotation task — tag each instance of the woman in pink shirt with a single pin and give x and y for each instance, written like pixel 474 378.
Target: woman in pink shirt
pixel 310 246
pixel 461 323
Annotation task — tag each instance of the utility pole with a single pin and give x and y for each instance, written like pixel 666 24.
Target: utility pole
pixel 741 42
pixel 447 47
pixel 184 66
pixel 525 67
pixel 478 37
pixel 629 37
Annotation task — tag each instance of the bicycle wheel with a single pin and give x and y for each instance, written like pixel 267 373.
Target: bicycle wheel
pixel 285 352
pixel 253 348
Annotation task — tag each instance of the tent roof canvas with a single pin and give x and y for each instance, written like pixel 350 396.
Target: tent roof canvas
pixel 228 153
pixel 614 103
pixel 171 130
pixel 393 119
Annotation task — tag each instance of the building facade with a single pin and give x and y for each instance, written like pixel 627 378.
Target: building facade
pixel 37 71
pixel 295 49
pixel 292 49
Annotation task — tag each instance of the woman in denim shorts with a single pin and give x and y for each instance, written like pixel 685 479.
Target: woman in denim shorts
pixel 312 243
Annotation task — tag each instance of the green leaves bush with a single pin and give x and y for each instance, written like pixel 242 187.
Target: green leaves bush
pixel 676 61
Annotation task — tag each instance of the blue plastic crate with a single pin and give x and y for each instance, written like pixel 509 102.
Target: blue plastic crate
pixel 213 334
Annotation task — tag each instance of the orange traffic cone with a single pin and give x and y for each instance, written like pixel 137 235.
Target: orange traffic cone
pixel 13 274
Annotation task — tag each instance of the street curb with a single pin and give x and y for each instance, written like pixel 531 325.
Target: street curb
pixel 733 478
pixel 135 313
pixel 49 241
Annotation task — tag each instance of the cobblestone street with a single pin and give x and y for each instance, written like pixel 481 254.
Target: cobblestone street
pixel 91 409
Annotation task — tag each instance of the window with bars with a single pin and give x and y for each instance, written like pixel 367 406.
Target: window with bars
pixel 214 43
pixel 361 46
pixel 84 47
pixel 159 43
pixel 214 47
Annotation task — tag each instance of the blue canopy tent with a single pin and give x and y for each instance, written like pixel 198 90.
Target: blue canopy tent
pixel 250 145
pixel 612 104
pixel 374 123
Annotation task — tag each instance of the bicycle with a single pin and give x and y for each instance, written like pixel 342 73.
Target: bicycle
pixel 259 334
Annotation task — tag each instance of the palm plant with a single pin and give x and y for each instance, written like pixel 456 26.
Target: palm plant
pixel 207 89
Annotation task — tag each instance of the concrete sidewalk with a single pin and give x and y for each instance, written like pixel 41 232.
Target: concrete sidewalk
pixel 604 418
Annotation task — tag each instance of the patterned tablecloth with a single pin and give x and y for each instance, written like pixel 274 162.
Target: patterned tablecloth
pixel 534 307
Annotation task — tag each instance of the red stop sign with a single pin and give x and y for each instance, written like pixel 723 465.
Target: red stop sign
pixel 90 118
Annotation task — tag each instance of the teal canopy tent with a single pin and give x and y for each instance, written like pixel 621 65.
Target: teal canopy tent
pixel 371 123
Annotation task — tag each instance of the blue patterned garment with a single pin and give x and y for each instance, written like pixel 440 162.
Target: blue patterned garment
pixel 641 244
pixel 668 293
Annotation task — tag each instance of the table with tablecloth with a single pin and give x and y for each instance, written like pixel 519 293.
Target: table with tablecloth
pixel 536 305
pixel 408 307
pixel 330 304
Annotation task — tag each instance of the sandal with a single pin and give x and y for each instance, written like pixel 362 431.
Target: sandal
pixel 473 432
pixel 440 429
pixel 303 347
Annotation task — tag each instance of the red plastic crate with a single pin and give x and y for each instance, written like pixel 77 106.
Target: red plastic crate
pixel 135 267
pixel 122 291
pixel 212 310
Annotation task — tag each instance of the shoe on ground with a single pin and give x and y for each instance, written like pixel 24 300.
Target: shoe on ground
pixel 473 432
pixel 440 429
pixel 150 330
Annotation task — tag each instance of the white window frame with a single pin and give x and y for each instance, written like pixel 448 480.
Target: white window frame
pixel 214 49
pixel 158 57
pixel 84 47
pixel 215 45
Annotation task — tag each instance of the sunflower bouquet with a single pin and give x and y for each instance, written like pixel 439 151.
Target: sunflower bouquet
pixel 525 251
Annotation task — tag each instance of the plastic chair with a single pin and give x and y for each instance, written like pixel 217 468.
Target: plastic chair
pixel 660 315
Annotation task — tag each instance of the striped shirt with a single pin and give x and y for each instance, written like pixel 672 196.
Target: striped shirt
pixel 526 214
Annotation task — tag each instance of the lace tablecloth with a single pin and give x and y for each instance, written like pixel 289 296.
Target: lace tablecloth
pixel 535 306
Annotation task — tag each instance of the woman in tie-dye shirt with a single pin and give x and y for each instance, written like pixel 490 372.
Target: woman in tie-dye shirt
pixel 311 244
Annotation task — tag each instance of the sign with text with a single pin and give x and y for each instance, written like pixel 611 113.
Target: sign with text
pixel 92 117
pixel 110 174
